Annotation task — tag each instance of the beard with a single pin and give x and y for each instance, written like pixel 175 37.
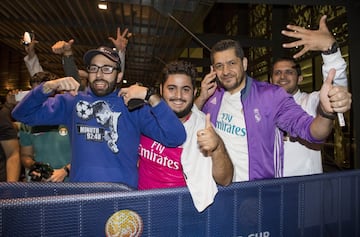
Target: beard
pixel 103 92
pixel 232 85
pixel 183 113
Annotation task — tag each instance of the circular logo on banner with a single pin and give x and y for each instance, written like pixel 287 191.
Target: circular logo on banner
pixel 124 223
pixel 63 131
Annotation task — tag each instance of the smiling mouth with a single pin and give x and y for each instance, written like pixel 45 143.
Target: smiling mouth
pixel 283 82
pixel 100 84
pixel 178 102
pixel 226 80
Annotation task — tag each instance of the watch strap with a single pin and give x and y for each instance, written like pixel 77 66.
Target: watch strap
pixel 149 93
pixel 333 49
pixel 331 116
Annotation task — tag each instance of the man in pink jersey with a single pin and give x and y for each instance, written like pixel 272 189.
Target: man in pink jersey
pixel 202 161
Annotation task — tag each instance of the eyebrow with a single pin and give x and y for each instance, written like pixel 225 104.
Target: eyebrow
pixel 172 85
pixel 93 64
pixel 234 59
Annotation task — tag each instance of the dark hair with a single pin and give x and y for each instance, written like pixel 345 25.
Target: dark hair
pixel 42 76
pixel 180 67
pixel 227 44
pixel 287 59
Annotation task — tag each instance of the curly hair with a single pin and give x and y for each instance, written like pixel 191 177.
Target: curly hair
pixel 180 67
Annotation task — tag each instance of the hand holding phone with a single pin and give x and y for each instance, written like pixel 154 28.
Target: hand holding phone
pixel 27 38
pixel 216 79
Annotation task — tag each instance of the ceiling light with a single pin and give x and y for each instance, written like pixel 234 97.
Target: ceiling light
pixel 102 5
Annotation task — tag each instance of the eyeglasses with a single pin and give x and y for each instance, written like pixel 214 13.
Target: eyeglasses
pixel 106 69
pixel 288 72
pixel 230 64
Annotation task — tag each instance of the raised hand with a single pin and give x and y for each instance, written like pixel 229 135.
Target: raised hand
pixel 207 138
pixel 68 84
pixel 311 40
pixel 133 92
pixel 208 87
pixel 62 47
pixel 121 40
pixel 334 98
pixel 30 48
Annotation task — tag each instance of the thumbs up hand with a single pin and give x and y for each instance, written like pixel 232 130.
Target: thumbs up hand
pixel 334 98
pixel 208 140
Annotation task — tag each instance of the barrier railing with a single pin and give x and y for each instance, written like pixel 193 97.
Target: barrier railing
pixel 318 205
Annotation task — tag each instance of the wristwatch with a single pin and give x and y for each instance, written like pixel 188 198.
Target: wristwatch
pixel 151 91
pixel 333 49
pixel 321 112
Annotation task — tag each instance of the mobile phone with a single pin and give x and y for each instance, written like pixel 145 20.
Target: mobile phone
pixel 19 96
pixel 216 79
pixel 27 38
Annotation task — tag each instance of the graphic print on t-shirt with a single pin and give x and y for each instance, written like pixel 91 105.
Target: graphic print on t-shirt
pixel 159 166
pixel 99 110
pixel 230 125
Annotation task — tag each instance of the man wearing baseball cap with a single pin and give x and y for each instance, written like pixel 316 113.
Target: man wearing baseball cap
pixel 104 138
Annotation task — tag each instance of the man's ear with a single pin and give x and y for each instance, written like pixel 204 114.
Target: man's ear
pixel 245 63
pixel 161 89
pixel 195 91
pixel 119 77
pixel 300 79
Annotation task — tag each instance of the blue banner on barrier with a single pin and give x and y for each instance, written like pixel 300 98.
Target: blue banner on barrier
pixel 319 205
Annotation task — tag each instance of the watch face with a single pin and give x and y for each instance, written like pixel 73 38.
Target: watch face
pixel 333 49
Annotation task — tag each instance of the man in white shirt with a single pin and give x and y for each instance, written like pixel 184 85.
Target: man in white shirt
pixel 301 157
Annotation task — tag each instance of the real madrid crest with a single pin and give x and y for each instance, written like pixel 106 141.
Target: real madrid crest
pixel 124 223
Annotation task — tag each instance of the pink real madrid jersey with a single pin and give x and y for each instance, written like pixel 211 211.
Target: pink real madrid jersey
pixel 159 166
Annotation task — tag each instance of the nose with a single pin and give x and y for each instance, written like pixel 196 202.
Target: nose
pixel 99 72
pixel 282 74
pixel 226 69
pixel 178 94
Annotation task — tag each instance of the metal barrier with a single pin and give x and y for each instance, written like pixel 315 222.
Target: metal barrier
pixel 319 205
